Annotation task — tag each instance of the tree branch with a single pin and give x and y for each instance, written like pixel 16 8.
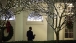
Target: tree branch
pixel 1 5
pixel 56 10
pixel 61 28
pixel 62 15
pixel 50 25
pixel 63 23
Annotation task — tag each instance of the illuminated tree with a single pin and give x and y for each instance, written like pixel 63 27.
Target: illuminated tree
pixel 54 9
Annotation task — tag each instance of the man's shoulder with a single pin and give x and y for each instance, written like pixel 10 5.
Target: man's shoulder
pixel 27 31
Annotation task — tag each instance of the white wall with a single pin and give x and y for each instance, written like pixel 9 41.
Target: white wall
pixel 74 29
pixel 19 27
pixel 50 31
pixel 39 28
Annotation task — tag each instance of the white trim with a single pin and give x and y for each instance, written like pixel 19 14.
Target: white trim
pixel 68 38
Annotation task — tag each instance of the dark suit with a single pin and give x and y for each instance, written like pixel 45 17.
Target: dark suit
pixel 30 35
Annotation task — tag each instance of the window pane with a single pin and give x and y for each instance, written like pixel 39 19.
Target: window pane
pixel 70 35
pixel 12 18
pixel 66 30
pixel 70 30
pixel 9 15
pixel 66 35
pixel 35 16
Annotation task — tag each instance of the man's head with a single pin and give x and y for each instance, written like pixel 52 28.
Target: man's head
pixel 30 28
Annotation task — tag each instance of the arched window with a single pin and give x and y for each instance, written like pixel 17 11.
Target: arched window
pixel 12 18
pixel 35 16
pixel 9 15
pixel 69 32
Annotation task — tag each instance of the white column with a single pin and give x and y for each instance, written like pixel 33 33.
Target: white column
pixel 74 26
pixel 74 31
pixel 19 27
pixel 25 26
pixel 50 31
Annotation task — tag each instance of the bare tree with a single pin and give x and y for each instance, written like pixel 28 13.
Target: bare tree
pixel 57 12
pixel 55 9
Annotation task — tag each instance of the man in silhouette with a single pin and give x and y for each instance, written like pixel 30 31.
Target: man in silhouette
pixel 30 35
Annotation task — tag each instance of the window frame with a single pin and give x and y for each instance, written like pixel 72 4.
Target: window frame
pixel 68 38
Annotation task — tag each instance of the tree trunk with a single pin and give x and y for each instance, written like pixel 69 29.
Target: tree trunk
pixel 57 37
